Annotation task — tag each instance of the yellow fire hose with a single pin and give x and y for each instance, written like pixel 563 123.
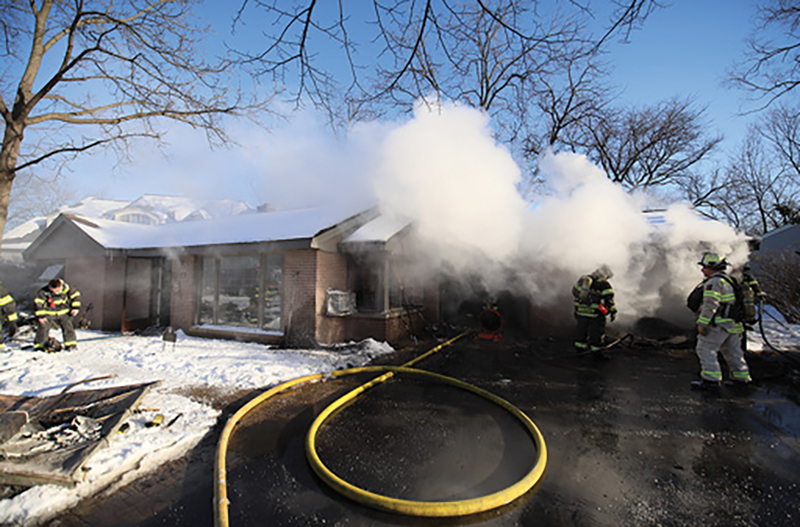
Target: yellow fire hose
pixel 407 507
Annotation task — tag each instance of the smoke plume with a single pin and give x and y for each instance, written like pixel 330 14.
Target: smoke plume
pixel 443 170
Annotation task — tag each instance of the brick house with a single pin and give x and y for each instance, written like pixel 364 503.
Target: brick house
pixel 322 275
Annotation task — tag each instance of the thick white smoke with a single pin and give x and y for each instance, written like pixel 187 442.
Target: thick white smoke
pixel 588 220
pixel 443 170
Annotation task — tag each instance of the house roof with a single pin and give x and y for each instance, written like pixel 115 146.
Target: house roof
pixel 166 209
pixel 784 237
pixel 92 207
pixel 780 230
pixel 178 208
pixel 303 225
pixel 376 234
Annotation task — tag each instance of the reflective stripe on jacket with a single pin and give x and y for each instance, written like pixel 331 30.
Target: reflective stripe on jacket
pixel 50 304
pixel 589 294
pixel 718 300
pixel 7 305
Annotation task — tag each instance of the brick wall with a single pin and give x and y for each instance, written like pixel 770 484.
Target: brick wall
pixel 331 274
pixel 299 296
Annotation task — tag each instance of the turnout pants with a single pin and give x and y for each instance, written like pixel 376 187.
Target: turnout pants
pixel 67 329
pixel 730 346
pixel 589 332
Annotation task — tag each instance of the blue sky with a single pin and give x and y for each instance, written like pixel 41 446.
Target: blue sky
pixel 683 50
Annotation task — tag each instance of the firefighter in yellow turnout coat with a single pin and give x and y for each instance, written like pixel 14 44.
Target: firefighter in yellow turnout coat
pixel 56 304
pixel 8 308
pixel 717 332
pixel 594 300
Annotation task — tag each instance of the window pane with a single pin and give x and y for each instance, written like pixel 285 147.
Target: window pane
pixel 273 298
pixel 238 291
pixel 365 282
pixel 208 289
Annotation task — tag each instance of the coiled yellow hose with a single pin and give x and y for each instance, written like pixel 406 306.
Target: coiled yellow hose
pixel 408 507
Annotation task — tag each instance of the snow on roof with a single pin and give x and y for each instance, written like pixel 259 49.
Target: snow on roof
pixel 380 229
pixel 245 228
pixel 24 229
pixel 93 207
pixel 179 208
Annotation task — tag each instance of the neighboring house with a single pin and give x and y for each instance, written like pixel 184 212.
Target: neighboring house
pixel 150 209
pixel 323 275
pixel 784 238
pixel 156 210
pixel 20 237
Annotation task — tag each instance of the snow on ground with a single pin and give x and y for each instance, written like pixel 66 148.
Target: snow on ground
pixel 225 366
pixel 779 334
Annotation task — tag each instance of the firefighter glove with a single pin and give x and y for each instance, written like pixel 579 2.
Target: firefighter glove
pixel 702 330
pixel 11 328
pixel 613 316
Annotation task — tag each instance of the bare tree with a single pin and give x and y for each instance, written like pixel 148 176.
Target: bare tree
pixel 757 190
pixel 479 52
pixel 701 190
pixel 578 94
pixel 535 67
pixel 109 69
pixel 34 196
pixel 780 129
pixel 771 67
pixel 649 146
pixel 755 184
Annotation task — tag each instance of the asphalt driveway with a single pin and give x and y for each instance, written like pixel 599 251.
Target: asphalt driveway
pixel 628 443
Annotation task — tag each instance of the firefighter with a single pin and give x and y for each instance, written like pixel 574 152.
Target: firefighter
pixel 717 332
pixel 750 279
pixel 8 308
pixel 594 301
pixel 758 298
pixel 56 304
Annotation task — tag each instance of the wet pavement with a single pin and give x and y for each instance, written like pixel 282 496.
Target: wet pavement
pixel 628 443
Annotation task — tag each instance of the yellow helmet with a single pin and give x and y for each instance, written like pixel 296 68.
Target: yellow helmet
pixel 713 261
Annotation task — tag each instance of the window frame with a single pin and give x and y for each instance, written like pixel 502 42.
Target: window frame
pixel 268 263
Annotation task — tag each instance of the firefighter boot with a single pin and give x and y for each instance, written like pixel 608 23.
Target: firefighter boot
pixel 705 385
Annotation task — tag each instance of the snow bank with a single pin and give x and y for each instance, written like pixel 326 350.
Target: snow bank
pixel 193 366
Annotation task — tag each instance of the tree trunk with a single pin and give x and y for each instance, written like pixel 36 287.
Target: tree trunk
pixel 5 192
pixel 12 140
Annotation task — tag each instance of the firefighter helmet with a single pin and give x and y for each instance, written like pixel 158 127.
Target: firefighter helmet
pixel 603 272
pixel 713 261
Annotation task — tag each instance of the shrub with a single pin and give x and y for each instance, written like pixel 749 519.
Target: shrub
pixel 778 272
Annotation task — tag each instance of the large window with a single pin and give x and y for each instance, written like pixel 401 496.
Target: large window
pixel 241 291
pixel 382 283
pixel 364 272
pixel 272 303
